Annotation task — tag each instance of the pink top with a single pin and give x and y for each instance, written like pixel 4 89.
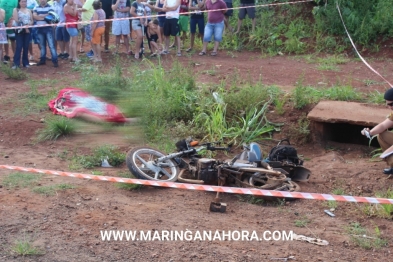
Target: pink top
pixel 70 19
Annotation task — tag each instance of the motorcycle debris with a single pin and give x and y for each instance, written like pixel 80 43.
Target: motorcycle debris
pixel 283 258
pixel 218 207
pixel 329 213
pixel 105 163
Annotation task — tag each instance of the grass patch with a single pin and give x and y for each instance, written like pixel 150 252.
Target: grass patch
pixel 303 222
pixel 24 247
pixel 52 189
pixel 251 199
pixel 55 127
pixel 114 156
pixel 365 239
pixel 128 186
pixel 20 180
pixel 16 74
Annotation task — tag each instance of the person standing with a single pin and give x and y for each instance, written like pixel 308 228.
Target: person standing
pixel 45 33
pixel 171 26
pixel 107 7
pixel 3 34
pixel 228 14
pixel 87 13
pixel 197 19
pixel 121 27
pixel 138 12
pixel 62 37
pixel 249 9
pixel 23 16
pixel 184 19
pixel 215 25
pixel 8 7
pixel 81 28
pixel 97 29
pixel 71 16
pixel 31 4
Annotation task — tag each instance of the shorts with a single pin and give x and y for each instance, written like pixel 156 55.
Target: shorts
pixel 250 11
pixel 88 32
pixel 153 38
pixel 97 35
pixel 215 29
pixel 184 21
pixel 10 34
pixel 136 24
pixel 61 34
pixel 161 20
pixel 229 11
pixel 72 31
pixel 171 27
pixel 121 27
pixel 200 21
pixel 33 35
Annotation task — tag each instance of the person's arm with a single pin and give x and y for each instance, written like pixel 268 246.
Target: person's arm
pixel 202 5
pixel 173 8
pixel 381 127
pixel 224 6
pixel 38 17
pixel 115 5
pixel 94 24
pixel 133 11
pixel 71 10
pixel 15 14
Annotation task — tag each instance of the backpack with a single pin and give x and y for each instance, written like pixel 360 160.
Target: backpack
pixel 284 153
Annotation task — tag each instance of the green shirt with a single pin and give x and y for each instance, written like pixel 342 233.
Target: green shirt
pixel 8 6
pixel 87 15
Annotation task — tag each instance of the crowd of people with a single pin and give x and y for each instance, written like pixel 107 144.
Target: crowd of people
pixel 61 24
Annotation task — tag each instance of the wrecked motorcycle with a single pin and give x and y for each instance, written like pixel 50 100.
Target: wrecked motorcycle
pixel 247 169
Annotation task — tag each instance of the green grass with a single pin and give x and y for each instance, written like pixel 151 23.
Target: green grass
pixel 25 248
pixel 128 186
pixel 20 180
pixel 364 238
pixel 338 191
pixel 302 222
pixel 15 74
pixel 55 127
pixel 52 189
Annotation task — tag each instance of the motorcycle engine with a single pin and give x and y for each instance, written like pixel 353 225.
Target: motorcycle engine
pixel 206 171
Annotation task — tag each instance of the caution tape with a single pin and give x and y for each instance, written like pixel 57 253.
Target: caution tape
pixel 223 189
pixel 150 16
pixel 363 60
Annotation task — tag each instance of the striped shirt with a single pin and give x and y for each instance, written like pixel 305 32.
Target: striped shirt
pixel 39 10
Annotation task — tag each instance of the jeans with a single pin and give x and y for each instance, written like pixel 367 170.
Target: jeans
pixel 215 29
pixel 22 43
pixel 45 34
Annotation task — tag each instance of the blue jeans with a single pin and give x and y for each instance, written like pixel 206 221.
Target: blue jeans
pixel 215 29
pixel 45 34
pixel 22 43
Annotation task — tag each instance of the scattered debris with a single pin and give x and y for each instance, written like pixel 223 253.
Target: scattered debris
pixel 311 240
pixel 283 258
pixel 329 213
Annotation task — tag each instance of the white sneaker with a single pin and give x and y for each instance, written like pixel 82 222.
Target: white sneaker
pixel 14 67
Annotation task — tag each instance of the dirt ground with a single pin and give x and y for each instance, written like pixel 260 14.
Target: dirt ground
pixel 66 226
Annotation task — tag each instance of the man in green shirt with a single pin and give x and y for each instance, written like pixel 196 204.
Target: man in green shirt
pixel 8 6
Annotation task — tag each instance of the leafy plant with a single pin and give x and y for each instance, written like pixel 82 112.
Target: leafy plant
pixel 52 189
pixel 302 222
pixel 55 127
pixel 24 247
pixel 109 152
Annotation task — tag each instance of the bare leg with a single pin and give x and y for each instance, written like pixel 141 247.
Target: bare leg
pixel 216 44
pixel 117 43
pixel 239 24
pixel 138 42
pixel 126 43
pixel 253 25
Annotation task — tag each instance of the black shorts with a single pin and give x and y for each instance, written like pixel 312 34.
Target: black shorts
pixel 153 38
pixel 171 27
pixel 249 10
pixel 229 12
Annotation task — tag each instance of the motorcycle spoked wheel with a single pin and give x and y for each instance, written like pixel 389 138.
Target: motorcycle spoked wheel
pixel 140 161
pixel 260 183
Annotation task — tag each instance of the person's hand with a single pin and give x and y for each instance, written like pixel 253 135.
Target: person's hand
pixel 366 132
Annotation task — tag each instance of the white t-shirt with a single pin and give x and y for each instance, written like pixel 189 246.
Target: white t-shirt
pixel 172 14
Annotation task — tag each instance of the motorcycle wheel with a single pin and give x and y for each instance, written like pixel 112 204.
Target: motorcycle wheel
pixel 140 161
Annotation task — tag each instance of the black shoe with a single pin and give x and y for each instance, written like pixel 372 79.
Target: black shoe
pixel 388 171
pixel 7 58
pixel 61 55
pixel 41 63
pixel 65 56
pixel 56 64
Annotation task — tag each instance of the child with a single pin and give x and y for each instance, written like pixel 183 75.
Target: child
pixel 3 34
pixel 153 32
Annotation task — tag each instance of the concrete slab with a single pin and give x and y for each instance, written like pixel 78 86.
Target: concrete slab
pixel 348 112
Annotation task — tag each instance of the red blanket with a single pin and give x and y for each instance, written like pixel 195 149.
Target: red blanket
pixel 74 102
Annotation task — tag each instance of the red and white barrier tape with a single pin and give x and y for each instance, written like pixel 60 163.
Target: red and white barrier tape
pixel 223 189
pixel 363 60
pixel 150 16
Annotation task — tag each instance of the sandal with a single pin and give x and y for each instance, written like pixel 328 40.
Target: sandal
pixel 202 53
pixel 81 50
pixel 189 50
pixel 213 53
pixel 178 54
